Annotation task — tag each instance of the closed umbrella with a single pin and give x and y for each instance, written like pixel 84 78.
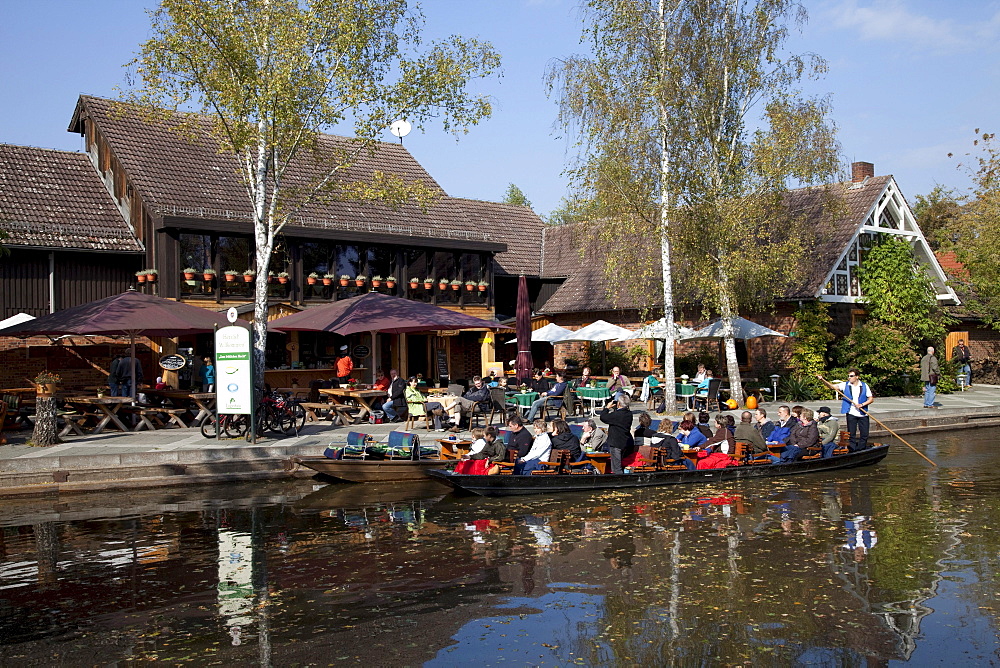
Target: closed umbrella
pixel 522 328
pixel 131 314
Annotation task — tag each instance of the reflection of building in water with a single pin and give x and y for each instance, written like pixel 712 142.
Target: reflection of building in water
pixel 235 577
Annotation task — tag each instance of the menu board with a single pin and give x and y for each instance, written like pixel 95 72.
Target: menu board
pixel 442 363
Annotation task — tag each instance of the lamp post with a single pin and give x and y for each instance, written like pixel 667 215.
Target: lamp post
pixel 774 385
pixel 906 383
pixel 961 382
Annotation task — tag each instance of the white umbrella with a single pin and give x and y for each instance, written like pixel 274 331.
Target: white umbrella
pixel 598 331
pixel 742 329
pixel 550 333
pixel 658 330
pixel 15 320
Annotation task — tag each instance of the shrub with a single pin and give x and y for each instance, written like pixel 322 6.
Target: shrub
pixel 812 336
pixel 882 354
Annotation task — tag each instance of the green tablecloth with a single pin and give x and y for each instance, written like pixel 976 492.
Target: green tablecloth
pixel 592 392
pixel 685 389
pixel 525 398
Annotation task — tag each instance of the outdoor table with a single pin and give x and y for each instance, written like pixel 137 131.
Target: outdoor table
pixel 203 401
pixel 691 454
pixel 433 390
pixel 523 400
pixel 595 395
pixel 454 448
pixel 337 394
pixel 686 392
pixel 602 460
pixel 108 408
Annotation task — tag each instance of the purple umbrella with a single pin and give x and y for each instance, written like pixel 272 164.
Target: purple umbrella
pixel 375 312
pixel 523 329
pixel 130 313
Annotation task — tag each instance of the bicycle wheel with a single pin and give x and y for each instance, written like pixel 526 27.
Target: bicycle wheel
pixel 236 425
pixel 298 416
pixel 210 427
pixel 291 419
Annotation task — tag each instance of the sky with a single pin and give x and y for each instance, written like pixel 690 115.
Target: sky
pixel 910 82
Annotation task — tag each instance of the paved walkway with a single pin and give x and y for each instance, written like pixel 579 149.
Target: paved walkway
pixel 175 444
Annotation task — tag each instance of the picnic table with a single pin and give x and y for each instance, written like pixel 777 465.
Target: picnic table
pixel 362 397
pixel 105 409
pixel 204 402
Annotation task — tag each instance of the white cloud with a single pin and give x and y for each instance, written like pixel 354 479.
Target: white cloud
pixel 896 21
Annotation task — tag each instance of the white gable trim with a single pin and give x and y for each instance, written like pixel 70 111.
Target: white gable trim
pixel 888 214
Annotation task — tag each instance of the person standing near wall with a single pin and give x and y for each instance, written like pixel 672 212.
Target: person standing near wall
pixel 963 358
pixel 207 374
pixel 929 372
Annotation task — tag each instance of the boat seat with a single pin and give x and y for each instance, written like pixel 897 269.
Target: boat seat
pixel 557 463
pixel 356 447
pixel 507 465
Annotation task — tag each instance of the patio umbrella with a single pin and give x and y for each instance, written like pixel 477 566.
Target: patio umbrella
pixel 551 333
pixel 131 314
pixel 375 312
pixel 523 329
pixel 742 329
pixel 658 331
pixel 600 330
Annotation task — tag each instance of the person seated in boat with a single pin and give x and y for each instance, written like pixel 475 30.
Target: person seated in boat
pixel 481 458
pixel 383 381
pixel 520 438
pixel 564 439
pixel 745 431
pixel 731 424
pixel 539 451
pixel 829 430
pixel 804 435
pixel 797 412
pixel 722 440
pixel 763 426
pixel 618 417
pixel 658 439
pixel 703 424
pixel 593 439
pixel 783 427
pixel 690 439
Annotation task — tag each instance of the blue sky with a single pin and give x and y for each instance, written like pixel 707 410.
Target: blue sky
pixel 910 81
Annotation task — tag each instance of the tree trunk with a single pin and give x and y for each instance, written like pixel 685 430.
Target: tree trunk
pixel 732 363
pixel 46 429
pixel 670 389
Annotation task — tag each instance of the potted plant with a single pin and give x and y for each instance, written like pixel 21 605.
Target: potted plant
pixel 141 275
pixel 189 273
pixel 328 279
pixel 443 284
pixel 46 383
pixel 414 283
pixel 230 275
pixel 283 277
pixel 456 284
pixel 428 282
pixel 684 379
pixel 344 280
pixel 483 285
pixel 390 281
pixel 270 277
pixel 360 280
pixel 208 274
pixel 376 281
pixel 151 275
pixel 248 275
pixel 470 285
pixel 312 278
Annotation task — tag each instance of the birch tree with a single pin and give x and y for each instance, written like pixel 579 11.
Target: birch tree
pixel 691 130
pixel 273 74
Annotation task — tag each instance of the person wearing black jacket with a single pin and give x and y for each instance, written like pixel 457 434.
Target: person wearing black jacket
pixel 520 438
pixel 618 417
pixel 658 439
pixel 563 439
pixel 479 393
pixel 397 397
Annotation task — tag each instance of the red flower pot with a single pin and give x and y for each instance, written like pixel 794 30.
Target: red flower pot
pixel 377 284
pixel 310 280
pixel 482 288
pixel 327 281
pixel 141 278
pixel 282 279
pixel 344 282
pixel 390 284
pixel 248 278
pixel 230 278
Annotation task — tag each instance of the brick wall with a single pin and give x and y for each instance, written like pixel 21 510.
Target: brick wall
pixel 73 359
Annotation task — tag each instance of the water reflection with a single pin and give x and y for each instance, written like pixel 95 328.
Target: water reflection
pixel 892 563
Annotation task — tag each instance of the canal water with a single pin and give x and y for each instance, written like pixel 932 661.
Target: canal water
pixel 879 566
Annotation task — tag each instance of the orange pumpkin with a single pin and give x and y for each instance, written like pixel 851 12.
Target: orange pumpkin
pixel 731 404
pixel 751 402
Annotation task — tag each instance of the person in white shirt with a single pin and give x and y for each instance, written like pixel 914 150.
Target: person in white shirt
pixel 857 397
pixel 539 451
pixel 700 375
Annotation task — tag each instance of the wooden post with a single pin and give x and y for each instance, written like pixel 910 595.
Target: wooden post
pixel 46 430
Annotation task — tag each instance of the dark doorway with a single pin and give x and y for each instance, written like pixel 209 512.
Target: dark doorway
pixel 416 354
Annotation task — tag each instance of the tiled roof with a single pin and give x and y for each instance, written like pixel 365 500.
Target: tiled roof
pixel 190 177
pixel 54 199
pixel 587 289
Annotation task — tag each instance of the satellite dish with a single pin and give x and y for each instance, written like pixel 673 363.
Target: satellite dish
pixel 400 128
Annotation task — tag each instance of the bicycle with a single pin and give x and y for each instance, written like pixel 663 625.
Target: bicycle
pixel 233 426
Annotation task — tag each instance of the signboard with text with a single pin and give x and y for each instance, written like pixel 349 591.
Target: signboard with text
pixel 234 387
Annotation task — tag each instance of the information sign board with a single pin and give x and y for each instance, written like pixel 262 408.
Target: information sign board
pixel 234 385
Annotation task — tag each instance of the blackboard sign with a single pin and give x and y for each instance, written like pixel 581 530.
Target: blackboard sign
pixel 172 362
pixel 361 352
pixel 442 363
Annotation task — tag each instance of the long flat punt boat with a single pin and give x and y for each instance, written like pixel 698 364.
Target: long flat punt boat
pixel 372 470
pixel 513 485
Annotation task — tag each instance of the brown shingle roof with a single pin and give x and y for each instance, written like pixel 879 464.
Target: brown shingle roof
pixel 54 199
pixel 834 212
pixel 190 177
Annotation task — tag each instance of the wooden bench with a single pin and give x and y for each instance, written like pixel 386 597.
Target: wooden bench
pixel 314 409
pixel 150 415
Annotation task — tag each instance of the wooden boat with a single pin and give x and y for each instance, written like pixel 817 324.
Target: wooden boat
pixel 511 485
pixel 372 470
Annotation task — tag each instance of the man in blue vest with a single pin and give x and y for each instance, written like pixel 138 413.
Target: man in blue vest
pixel 857 397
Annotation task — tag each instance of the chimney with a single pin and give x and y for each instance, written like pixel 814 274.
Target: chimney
pixel 861 171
